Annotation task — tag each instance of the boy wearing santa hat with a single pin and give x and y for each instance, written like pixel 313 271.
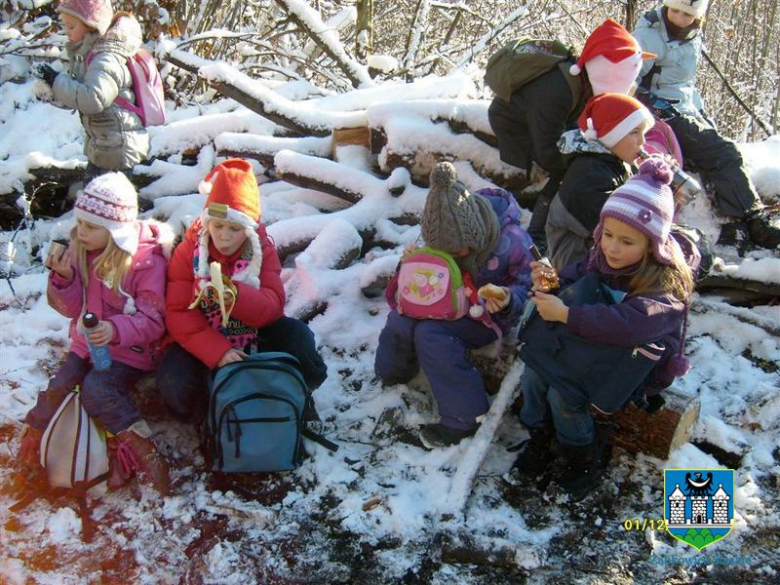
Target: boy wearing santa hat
pixel 207 334
pixel 600 153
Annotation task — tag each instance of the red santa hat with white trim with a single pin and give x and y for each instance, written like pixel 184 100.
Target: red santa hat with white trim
pixel 232 195
pixel 612 58
pixel 609 118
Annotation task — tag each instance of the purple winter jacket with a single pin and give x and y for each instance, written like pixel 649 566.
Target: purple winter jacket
pixel 137 334
pixel 638 319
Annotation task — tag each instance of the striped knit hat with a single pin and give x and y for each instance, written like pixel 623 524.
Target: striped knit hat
pixel 111 201
pixel 645 203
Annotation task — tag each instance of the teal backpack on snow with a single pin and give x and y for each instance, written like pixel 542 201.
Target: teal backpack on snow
pixel 255 418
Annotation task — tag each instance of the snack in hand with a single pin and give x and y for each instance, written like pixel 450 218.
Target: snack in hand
pixel 491 291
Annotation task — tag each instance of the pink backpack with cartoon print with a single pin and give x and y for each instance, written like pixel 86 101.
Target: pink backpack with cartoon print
pixel 430 286
pixel 147 86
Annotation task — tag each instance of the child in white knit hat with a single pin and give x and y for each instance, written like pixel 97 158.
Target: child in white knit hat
pixel 207 334
pixel 628 344
pixel 98 83
pixel 114 268
pixel 667 84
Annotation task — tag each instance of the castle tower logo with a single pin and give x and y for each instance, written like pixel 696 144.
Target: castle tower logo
pixel 699 504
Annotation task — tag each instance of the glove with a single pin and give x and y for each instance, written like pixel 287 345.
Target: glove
pixel 662 109
pixel 45 72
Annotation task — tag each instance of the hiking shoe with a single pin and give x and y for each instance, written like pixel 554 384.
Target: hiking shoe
pixel 585 465
pixel 734 233
pixel 761 230
pixel 138 454
pixel 437 436
pixel 117 477
pixel 29 458
pixel 535 454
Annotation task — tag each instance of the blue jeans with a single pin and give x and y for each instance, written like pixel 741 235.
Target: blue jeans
pixel 573 423
pixel 104 395
pixel 439 347
pixel 182 379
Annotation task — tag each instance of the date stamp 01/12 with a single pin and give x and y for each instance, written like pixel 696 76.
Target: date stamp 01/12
pixel 644 524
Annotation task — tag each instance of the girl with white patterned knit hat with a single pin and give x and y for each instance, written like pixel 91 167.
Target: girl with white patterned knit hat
pixel 250 318
pixel 113 268
pixel 628 345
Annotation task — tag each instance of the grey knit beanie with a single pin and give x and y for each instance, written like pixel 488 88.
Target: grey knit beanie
pixel 454 218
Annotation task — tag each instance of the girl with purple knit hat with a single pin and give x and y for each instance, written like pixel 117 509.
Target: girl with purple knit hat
pixel 645 286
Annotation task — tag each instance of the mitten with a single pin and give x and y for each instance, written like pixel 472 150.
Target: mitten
pixel 45 72
pixel 662 109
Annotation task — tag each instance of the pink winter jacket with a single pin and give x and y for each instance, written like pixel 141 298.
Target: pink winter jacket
pixel 138 315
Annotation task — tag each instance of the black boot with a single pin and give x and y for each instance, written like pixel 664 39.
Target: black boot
pixel 536 227
pixel 584 466
pixel 535 453
pixel 761 230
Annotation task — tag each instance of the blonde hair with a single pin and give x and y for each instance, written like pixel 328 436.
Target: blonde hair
pixel 111 266
pixel 652 276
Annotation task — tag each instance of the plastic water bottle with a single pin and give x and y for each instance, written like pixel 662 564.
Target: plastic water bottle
pixel 101 357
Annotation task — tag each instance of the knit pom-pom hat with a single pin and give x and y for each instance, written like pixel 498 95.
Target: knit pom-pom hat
pixel 645 203
pixel 453 218
pixel 96 14
pixel 609 118
pixel 696 8
pixel 111 201
pixel 233 196
pixel 612 58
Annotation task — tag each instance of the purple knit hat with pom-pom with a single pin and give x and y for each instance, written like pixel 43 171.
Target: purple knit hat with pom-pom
pixel 645 202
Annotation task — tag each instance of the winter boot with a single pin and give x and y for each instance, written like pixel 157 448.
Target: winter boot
pixel 584 466
pixel 535 454
pixel 116 475
pixel 437 435
pixel 761 229
pixel 136 453
pixel 29 459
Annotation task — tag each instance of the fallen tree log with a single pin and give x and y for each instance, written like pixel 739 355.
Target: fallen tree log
pixel 657 433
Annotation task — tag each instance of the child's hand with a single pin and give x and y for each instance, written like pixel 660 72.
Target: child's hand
pixel 60 263
pixel 103 333
pixel 231 355
pixel 550 307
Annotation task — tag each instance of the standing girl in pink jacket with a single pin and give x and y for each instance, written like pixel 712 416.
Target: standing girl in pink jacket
pixel 114 268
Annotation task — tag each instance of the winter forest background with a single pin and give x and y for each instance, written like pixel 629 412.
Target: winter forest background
pixel 278 81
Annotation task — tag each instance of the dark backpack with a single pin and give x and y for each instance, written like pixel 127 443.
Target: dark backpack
pixel 255 418
pixel 522 60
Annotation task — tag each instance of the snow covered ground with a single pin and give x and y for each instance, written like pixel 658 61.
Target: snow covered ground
pixel 380 508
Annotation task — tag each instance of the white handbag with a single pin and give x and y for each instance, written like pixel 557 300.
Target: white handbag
pixel 73 447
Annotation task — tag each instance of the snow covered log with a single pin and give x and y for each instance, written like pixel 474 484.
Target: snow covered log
pixel 295 117
pixel 657 433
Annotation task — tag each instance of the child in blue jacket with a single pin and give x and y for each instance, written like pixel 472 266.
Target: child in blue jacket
pixel 482 232
pixel 642 264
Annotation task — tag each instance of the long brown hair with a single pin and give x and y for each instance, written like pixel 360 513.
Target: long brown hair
pixel 652 276
pixel 111 266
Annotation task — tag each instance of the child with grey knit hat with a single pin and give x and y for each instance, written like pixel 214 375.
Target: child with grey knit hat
pixel 482 232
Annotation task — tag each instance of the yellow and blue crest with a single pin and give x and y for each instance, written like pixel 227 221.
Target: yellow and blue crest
pixel 699 504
